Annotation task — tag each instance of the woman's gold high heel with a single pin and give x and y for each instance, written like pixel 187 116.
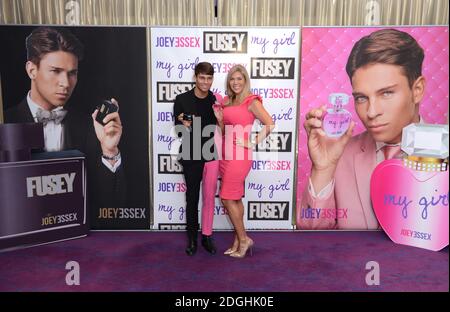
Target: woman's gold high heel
pixel 229 251
pixel 243 248
pixel 233 248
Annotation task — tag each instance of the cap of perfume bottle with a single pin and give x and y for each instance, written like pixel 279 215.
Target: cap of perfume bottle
pixel 338 99
pixel 426 146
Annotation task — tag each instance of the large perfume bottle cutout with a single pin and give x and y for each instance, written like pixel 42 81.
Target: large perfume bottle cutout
pixel 337 120
pixel 410 196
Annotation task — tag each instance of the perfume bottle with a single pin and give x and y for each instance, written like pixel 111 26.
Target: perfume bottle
pixel 337 120
pixel 410 197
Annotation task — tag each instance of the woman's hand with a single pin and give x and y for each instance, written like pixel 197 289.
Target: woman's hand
pixel 244 143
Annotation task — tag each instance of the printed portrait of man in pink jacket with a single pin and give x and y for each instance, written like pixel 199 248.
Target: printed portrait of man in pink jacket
pixel 385 71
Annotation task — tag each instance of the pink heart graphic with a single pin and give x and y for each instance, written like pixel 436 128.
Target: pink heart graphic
pixel 411 206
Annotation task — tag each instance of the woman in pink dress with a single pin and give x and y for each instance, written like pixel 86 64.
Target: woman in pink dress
pixel 236 117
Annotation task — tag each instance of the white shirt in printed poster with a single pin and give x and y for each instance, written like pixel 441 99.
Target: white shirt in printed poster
pixel 54 134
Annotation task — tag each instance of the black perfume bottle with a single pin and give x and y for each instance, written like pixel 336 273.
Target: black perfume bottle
pixel 107 107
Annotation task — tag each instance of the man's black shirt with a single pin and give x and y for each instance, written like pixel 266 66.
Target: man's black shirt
pixel 189 103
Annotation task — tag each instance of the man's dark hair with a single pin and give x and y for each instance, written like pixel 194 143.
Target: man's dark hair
pixel 204 68
pixel 43 40
pixel 388 46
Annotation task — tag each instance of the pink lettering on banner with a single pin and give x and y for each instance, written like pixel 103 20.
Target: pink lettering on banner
pixel 177 42
pixel 323 213
pixel 272 165
pixel 274 93
pixel 224 67
pixel 171 187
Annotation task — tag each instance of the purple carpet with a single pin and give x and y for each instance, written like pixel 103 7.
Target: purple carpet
pixel 286 261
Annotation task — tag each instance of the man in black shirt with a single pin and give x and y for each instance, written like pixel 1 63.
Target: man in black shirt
pixel 194 110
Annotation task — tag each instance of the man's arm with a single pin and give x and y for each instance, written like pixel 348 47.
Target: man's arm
pixel 105 165
pixel 177 110
pixel 178 113
pixel 106 188
pixel 109 135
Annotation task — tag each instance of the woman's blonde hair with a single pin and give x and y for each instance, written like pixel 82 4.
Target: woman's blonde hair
pixel 245 92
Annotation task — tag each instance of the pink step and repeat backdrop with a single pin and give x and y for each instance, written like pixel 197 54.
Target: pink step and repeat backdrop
pixel 324 53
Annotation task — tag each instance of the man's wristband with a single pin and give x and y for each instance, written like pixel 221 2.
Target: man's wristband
pixel 115 157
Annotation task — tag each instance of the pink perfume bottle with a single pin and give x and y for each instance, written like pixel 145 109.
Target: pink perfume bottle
pixel 337 120
pixel 410 197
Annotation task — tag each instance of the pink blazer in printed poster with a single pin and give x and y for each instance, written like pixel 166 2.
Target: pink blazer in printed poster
pixel 348 207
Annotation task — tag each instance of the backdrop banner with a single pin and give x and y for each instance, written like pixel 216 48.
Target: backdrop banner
pixel 270 55
pixel 113 65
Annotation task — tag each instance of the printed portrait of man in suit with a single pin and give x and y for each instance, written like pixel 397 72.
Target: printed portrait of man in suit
pixel 53 56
